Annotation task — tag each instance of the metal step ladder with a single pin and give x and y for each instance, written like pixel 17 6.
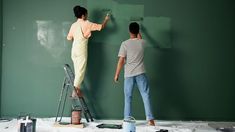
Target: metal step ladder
pixel 67 84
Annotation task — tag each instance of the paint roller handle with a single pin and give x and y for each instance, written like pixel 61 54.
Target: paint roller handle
pixel 107 17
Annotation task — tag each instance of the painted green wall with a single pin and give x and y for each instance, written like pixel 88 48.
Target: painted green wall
pixel 0 50
pixel 189 57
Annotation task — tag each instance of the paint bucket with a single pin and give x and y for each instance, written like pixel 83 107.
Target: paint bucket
pixel 27 125
pixel 76 116
pixel 129 124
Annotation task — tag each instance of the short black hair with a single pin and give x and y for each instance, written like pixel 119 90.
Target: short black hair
pixel 79 11
pixel 134 28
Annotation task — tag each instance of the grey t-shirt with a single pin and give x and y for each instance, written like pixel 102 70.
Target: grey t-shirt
pixel 133 51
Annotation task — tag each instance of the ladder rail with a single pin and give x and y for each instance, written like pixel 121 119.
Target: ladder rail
pixel 60 100
pixel 87 110
pixel 68 82
pixel 65 98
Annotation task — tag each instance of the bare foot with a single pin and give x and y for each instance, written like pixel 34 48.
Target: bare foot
pixel 151 123
pixel 77 93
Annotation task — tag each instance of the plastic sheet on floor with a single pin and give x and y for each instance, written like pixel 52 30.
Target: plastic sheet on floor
pixel 47 125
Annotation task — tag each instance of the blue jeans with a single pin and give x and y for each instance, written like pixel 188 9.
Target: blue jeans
pixel 142 83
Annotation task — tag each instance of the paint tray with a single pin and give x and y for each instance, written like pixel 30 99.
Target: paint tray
pixel 111 126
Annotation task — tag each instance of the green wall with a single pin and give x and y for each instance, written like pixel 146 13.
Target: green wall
pixel 189 57
pixel 0 50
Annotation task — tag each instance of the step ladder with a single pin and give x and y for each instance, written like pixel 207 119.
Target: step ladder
pixel 67 84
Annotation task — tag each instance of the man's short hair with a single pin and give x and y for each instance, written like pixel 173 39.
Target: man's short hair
pixel 134 27
pixel 79 11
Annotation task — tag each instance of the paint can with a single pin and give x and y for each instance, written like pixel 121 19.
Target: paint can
pixel 129 124
pixel 76 116
pixel 26 124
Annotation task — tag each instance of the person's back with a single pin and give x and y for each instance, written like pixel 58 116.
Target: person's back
pixel 131 54
pixel 79 33
pixel 134 49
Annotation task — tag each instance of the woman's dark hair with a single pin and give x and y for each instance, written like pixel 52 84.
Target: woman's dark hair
pixel 79 11
pixel 134 28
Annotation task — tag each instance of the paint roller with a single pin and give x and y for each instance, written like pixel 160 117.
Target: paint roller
pixel 136 19
pixel 107 11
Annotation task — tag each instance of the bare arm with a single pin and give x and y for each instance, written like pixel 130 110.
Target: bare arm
pixel 120 64
pixel 139 36
pixel 105 21
pixel 70 34
pixel 69 37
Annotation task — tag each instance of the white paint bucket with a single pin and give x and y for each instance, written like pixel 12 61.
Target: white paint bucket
pixel 129 124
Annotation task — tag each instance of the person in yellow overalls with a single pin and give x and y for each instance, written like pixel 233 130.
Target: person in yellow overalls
pixel 80 32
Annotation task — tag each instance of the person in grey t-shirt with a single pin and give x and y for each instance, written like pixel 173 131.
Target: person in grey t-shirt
pixel 131 54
